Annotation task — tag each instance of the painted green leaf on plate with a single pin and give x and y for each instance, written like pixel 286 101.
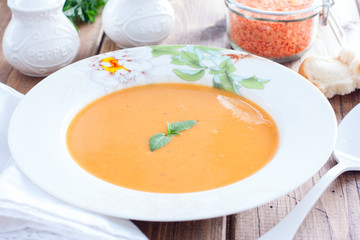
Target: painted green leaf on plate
pixel 189 75
pixel 166 50
pixel 253 83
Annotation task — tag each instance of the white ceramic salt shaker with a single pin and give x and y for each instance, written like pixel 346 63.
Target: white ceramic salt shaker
pixel 39 39
pixel 138 22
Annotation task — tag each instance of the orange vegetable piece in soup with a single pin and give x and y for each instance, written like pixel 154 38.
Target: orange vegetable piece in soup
pixel 233 138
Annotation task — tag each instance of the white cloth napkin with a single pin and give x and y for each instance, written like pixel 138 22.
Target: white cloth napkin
pixel 29 213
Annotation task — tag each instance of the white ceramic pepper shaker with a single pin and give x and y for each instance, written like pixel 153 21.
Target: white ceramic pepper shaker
pixel 138 22
pixel 39 39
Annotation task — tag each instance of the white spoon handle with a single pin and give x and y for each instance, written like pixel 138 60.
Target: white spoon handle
pixel 286 228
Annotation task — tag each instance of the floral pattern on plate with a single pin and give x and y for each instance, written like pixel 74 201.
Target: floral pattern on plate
pixel 188 63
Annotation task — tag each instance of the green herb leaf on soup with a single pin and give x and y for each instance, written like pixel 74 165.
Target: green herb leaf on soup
pixel 183 125
pixel 161 139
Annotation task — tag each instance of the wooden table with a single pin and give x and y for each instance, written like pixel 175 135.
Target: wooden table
pixel 335 216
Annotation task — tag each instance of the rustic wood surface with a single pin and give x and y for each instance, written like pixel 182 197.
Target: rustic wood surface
pixel 335 216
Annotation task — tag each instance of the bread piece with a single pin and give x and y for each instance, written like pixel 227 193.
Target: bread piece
pixel 350 57
pixel 331 76
pixel 346 55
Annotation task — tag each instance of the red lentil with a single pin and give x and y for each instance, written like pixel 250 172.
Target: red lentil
pixel 271 39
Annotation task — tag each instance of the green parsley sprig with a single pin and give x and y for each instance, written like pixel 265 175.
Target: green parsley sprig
pixel 79 11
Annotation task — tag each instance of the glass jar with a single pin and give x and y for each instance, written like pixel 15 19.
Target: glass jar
pixel 280 30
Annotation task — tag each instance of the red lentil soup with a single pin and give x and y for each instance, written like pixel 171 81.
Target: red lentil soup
pixel 233 138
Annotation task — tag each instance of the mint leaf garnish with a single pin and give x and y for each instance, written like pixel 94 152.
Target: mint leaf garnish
pixel 161 139
pixel 181 126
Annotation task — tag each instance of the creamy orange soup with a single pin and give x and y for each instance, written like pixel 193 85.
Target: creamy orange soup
pixel 233 138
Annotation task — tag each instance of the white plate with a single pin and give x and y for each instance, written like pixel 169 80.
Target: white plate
pixel 306 122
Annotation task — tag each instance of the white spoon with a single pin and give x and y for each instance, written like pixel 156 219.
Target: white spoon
pixel 347 153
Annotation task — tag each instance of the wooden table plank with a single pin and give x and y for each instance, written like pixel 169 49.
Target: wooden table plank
pixel 91 37
pixel 5 16
pixel 214 228
pixel 108 45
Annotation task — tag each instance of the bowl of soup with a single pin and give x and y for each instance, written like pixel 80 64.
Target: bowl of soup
pixel 170 133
